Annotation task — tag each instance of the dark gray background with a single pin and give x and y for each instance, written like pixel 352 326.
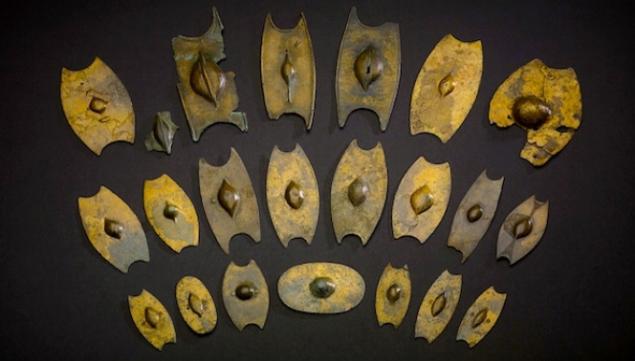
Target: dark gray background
pixel 569 299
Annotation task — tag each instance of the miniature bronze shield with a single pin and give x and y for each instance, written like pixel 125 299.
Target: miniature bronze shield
pixel 546 102
pixel 446 87
pixel 321 288
pixel 481 316
pixel 113 229
pixel 292 195
pixel 437 306
pixel 421 199
pixel 245 295
pixel 358 192
pixel 170 212
pixel 208 93
pixel 162 135
pixel 229 200
pixel 393 295
pixel 368 69
pixel 287 68
pixel 522 230
pixel 475 214
pixel 97 106
pixel 152 319
pixel 196 305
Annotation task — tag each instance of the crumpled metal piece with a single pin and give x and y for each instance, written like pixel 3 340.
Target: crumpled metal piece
pixel 287 67
pixel 170 212
pixel 245 295
pixel 438 306
pixel 481 317
pixel 421 199
pixel 368 69
pixel 446 87
pixel 321 287
pixel 293 196
pixel 358 191
pixel 152 319
pixel 97 106
pixel 475 214
pixel 522 230
pixel 162 135
pixel 393 295
pixel 544 101
pixel 229 200
pixel 196 305
pixel 208 93
pixel 113 229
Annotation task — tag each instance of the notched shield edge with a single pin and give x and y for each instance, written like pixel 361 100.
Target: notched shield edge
pixel 522 230
pixel 438 306
pixel 246 295
pixel 153 321
pixel 393 295
pixel 481 317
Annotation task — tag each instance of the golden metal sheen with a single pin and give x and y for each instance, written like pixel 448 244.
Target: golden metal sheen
pixel 293 196
pixel 446 87
pixel 546 102
pixel 245 295
pixel 196 305
pixel 368 69
pixel 229 200
pixel 287 67
pixel 113 229
pixel 321 287
pixel 481 316
pixel 208 93
pixel 438 306
pixel 162 135
pixel 393 295
pixel 170 212
pixel 97 106
pixel 152 319
pixel 358 191
pixel 522 230
pixel 475 214
pixel 421 199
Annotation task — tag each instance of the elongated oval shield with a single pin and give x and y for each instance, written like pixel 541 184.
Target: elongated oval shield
pixel 293 196
pixel 437 306
pixel 245 295
pixel 481 317
pixel 162 135
pixel 358 191
pixel 393 295
pixel 152 319
pixel 97 106
pixel 522 230
pixel 113 229
pixel 196 305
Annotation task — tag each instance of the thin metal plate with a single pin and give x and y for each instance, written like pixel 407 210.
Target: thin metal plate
pixel 196 305
pixel 393 295
pixel 152 319
pixel 481 317
pixel 438 306
pixel 522 230
pixel 245 295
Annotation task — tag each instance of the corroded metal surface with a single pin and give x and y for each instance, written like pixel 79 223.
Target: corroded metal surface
pixel 475 214
pixel 546 102
pixel 245 295
pixel 438 306
pixel 97 106
pixel 208 93
pixel 229 200
pixel 393 295
pixel 446 87
pixel 287 67
pixel 421 199
pixel 162 135
pixel 113 229
pixel 293 196
pixel 170 212
pixel 481 316
pixel 368 69
pixel 196 305
pixel 358 191
pixel 321 288
pixel 152 319
pixel 522 230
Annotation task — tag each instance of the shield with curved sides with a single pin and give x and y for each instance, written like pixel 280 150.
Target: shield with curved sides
pixel 393 295
pixel 481 317
pixel 196 305
pixel 152 319
pixel 522 230
pixel 438 306
pixel 246 295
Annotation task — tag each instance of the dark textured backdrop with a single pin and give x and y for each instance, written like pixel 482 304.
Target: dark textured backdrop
pixel 569 299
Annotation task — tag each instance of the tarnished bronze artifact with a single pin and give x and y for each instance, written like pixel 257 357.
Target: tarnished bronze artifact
pixel 368 69
pixel 522 230
pixel 437 306
pixel 481 316
pixel 287 67
pixel 321 288
pixel 421 199
pixel 358 192
pixel 245 295
pixel 162 135
pixel 393 295
pixel 293 196
pixel 97 106
pixel 170 212
pixel 544 101
pixel 208 93
pixel 113 229
pixel 152 319
pixel 475 214
pixel 229 200
pixel 446 87
pixel 196 305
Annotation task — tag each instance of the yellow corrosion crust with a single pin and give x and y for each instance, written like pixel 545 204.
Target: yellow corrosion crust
pixel 196 305
pixel 481 317
pixel 438 306
pixel 152 319
pixel 393 295
pixel 245 295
